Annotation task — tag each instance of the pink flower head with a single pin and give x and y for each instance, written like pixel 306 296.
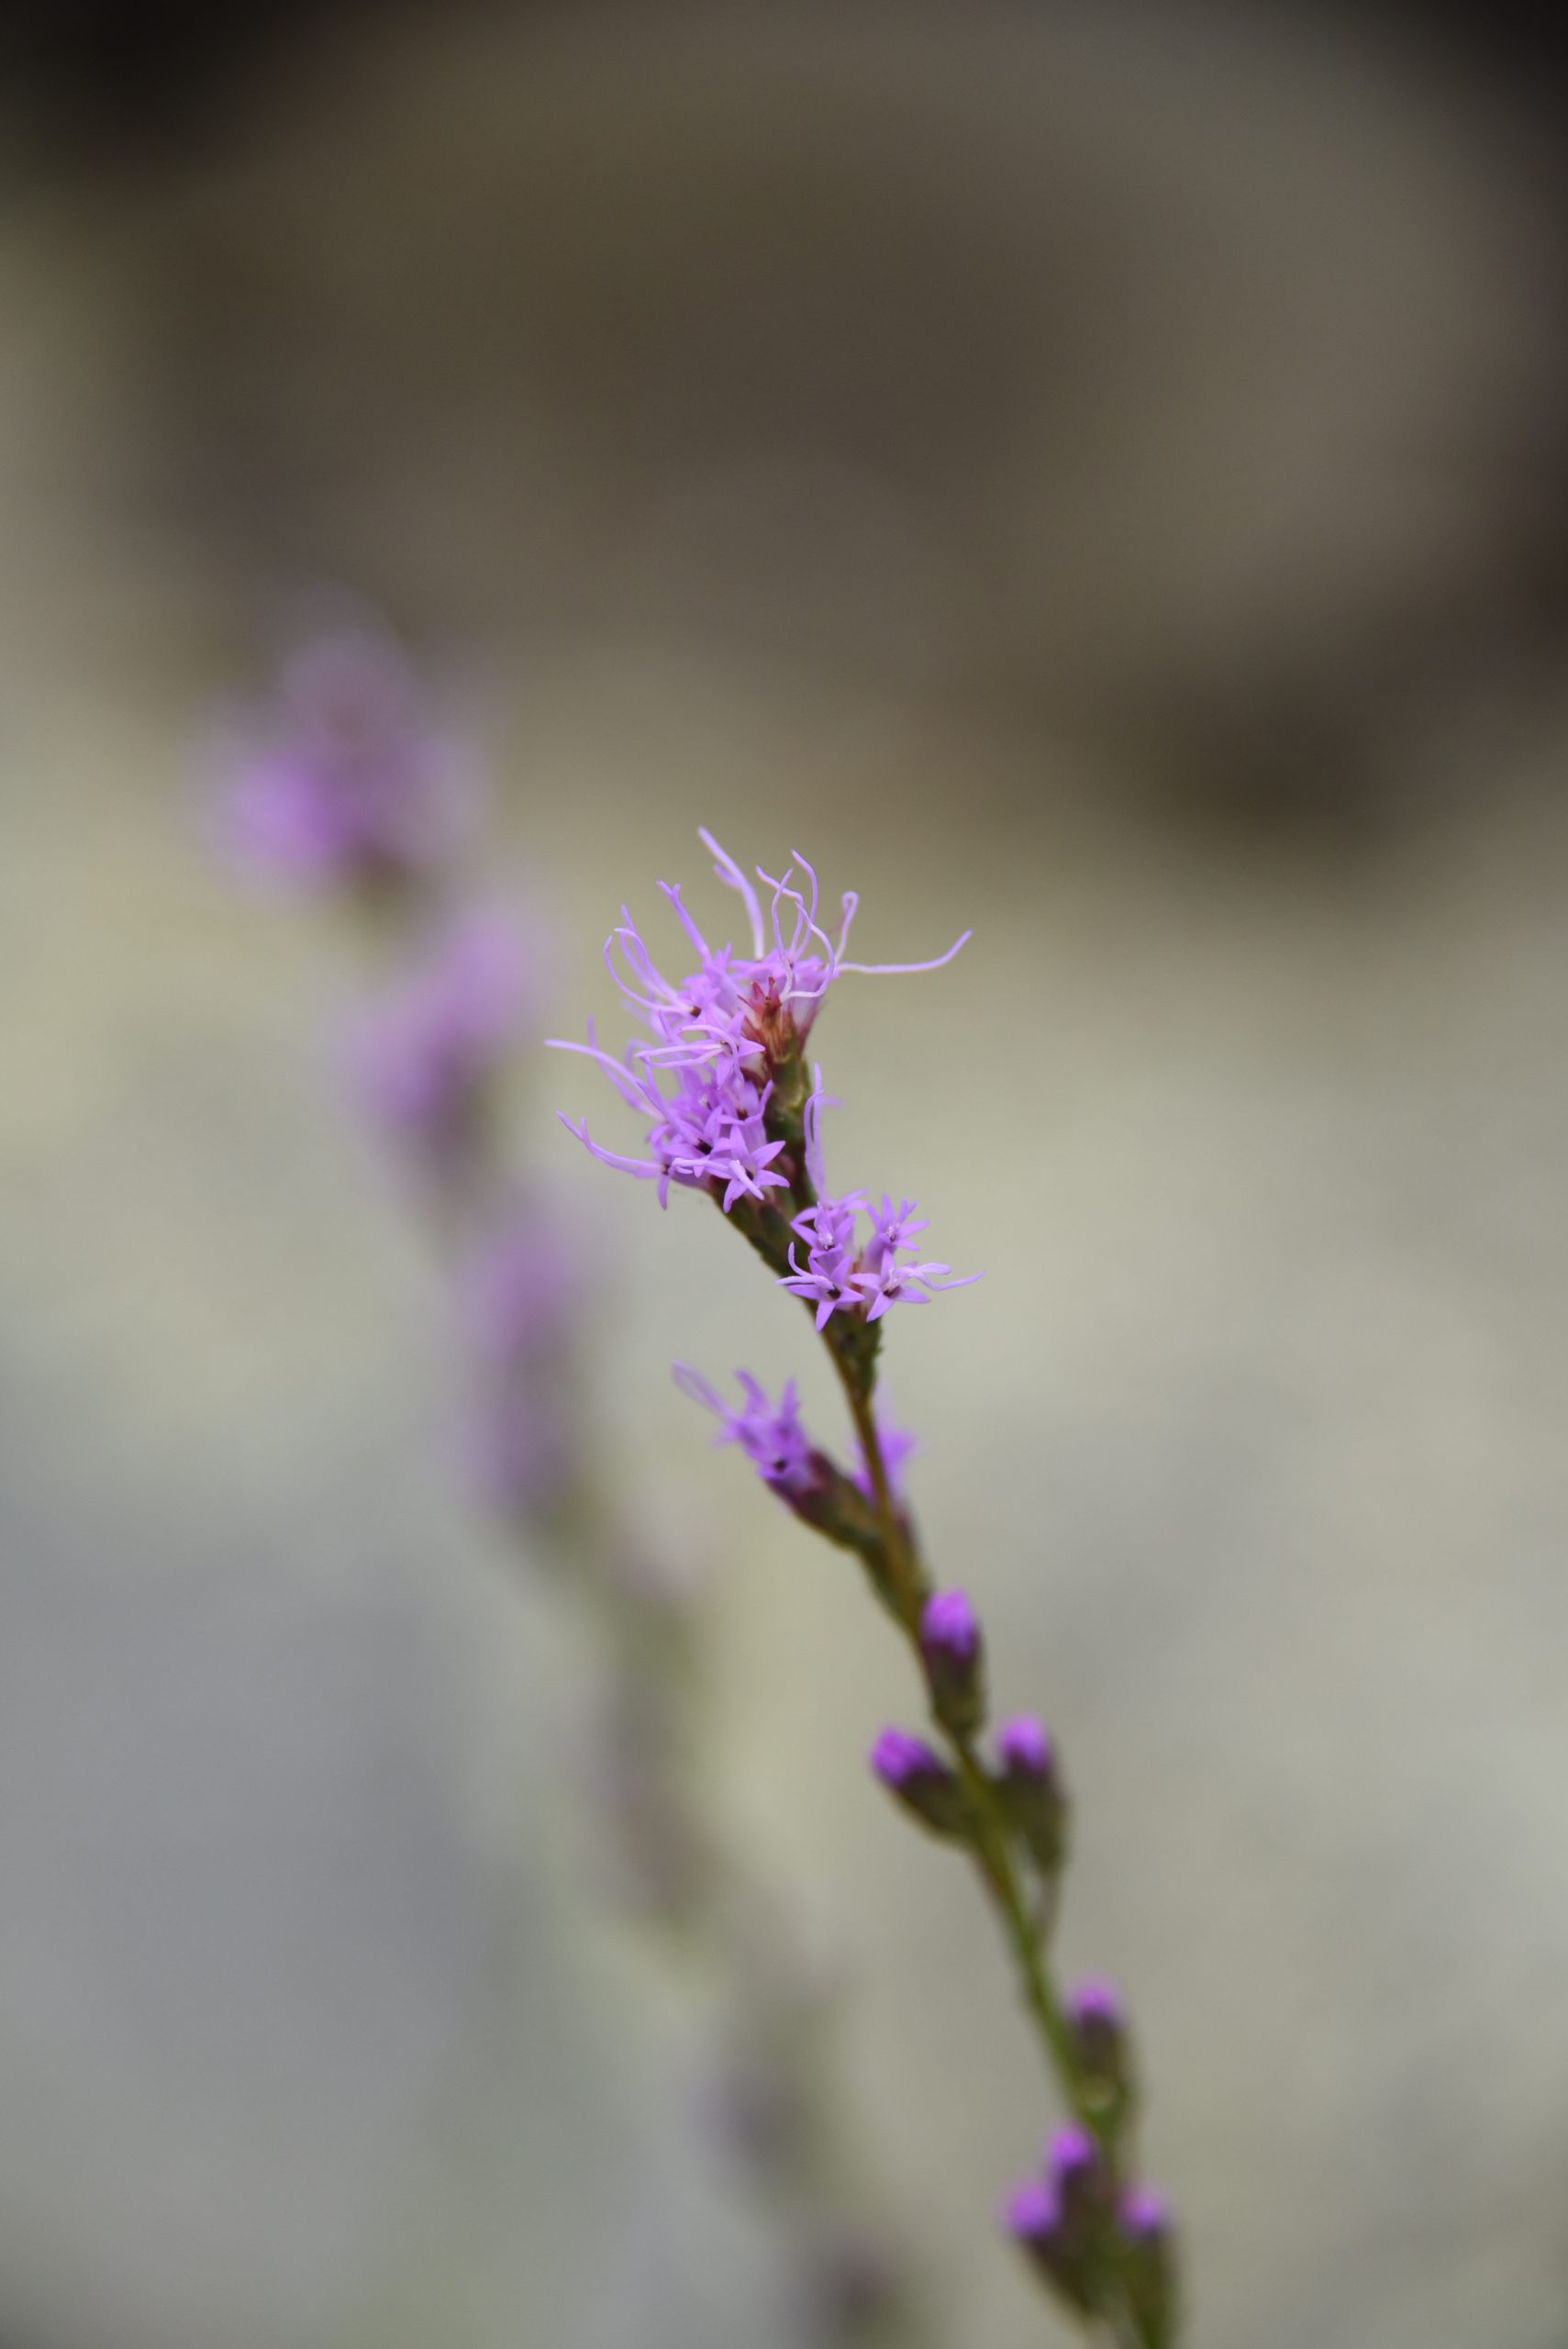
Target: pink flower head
pixel 344 776
pixel 422 1058
pixel 772 1437
pixel 720 1031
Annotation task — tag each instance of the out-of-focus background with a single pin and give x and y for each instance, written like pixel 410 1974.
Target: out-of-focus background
pixel 1096 472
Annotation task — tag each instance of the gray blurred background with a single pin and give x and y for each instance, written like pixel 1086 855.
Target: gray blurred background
pixel 1093 472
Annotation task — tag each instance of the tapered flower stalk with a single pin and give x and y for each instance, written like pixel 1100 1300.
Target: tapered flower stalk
pixel 732 1107
pixel 347 789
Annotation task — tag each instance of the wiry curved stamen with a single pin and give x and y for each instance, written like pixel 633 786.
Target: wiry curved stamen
pixel 898 970
pixel 729 872
pixel 657 996
pixel 671 890
pixel 806 926
pixel 797 992
pixel 643 1169
pixel 702 1047
pixel 849 905
pixel 635 1091
pixel 650 1007
pixel 810 871
pixel 781 889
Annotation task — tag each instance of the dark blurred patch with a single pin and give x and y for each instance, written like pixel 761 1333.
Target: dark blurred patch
pixel 157 69
pixel 137 74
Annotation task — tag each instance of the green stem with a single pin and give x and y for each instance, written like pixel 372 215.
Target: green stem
pixel 992 1844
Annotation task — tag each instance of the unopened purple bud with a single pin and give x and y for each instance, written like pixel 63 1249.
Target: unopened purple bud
pixel 1149 2263
pixel 955 1664
pixel 922 1781
pixel 1076 2168
pixel 1030 1786
pixel 1095 2002
pixel 951 1624
pixel 898 1757
pixel 1036 2222
pixel 1071 2156
pixel 1033 2212
pixel 1098 2022
pixel 1025 1747
pixel 1145 2213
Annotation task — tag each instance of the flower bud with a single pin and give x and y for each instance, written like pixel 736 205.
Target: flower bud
pixel 1036 2220
pixel 1076 2171
pixel 1031 1786
pixel 922 1782
pixel 1149 2262
pixel 955 1662
pixel 1098 2023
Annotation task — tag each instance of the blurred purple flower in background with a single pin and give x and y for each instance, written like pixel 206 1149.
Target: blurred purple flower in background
pixel 424 1058
pixel 343 778
pixel 521 1297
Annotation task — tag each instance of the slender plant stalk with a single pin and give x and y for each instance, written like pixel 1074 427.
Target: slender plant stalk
pixel 732 1110
pixel 901 1582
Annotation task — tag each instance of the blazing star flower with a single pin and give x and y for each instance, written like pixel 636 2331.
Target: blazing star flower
pixel 344 777
pixel 421 1058
pixel 773 1439
pixel 829 1278
pixel 707 1135
pixel 721 1031
pixel 839 1275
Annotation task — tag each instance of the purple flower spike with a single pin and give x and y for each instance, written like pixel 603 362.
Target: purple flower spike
pixel 720 1032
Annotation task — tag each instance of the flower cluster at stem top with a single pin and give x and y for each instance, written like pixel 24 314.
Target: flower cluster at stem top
pixel 723 1090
